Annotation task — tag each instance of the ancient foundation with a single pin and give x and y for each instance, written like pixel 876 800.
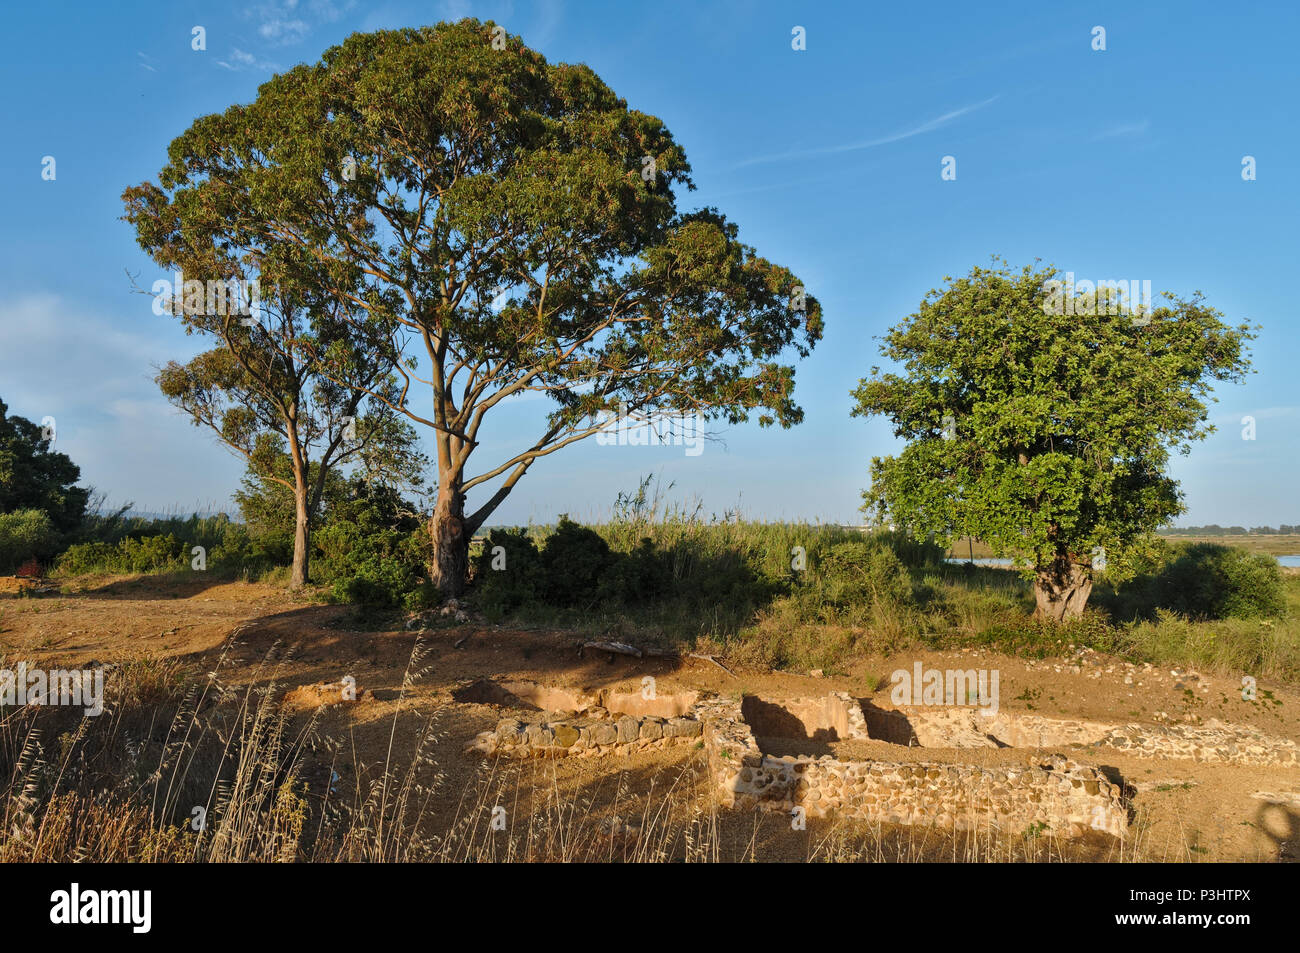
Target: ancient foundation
pixel 1056 795
pixel 1046 792
pixel 967 728
pixel 568 722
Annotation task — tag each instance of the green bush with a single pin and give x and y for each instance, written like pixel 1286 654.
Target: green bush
pixel 576 567
pixel 252 555
pixel 85 557
pixel 119 543
pixel 911 552
pixel 372 549
pixel 206 531
pixel 1209 581
pixel 573 561
pixel 129 555
pixel 1029 637
pixel 508 572
pixel 868 572
pixel 26 535
pixel 641 576
pixel 676 568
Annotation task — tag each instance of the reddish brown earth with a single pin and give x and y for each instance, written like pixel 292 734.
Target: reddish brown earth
pixel 1182 810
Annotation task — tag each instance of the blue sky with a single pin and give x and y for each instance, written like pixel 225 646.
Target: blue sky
pixel 1114 164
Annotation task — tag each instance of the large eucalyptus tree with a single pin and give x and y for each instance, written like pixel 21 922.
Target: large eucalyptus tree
pixel 514 225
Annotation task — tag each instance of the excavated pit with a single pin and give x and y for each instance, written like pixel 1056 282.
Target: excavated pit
pixel 847 756
pixel 842 755
pixel 805 719
pixel 835 755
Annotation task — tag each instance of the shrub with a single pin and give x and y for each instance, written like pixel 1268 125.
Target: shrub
pixel 129 555
pixel 867 572
pixel 254 555
pixel 85 557
pixel 913 553
pixel 641 576
pixel 1029 637
pixel 154 553
pixel 118 543
pixel 1231 646
pixel 371 549
pixel 508 578
pixel 26 535
pixel 381 584
pixel 206 531
pixel 573 561
pixel 675 565
pixel 1209 581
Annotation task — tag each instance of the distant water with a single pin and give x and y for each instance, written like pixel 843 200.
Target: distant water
pixel 1290 561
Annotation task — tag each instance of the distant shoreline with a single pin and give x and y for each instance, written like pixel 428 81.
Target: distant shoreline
pixel 1275 544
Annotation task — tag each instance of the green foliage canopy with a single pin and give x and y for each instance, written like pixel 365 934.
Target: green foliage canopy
pixel 33 476
pixel 512 223
pixel 1043 433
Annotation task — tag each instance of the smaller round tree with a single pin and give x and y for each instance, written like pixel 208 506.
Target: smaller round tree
pixel 1040 420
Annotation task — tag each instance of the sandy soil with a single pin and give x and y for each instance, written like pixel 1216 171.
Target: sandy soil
pixel 1182 810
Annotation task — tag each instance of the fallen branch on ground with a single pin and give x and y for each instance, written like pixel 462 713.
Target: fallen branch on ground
pixel 713 659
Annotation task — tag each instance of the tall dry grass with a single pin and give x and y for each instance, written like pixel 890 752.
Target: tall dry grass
pixel 130 785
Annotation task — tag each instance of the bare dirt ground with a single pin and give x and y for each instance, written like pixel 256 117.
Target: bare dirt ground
pixel 1181 810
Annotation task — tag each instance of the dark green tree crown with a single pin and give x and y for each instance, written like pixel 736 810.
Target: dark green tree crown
pixel 1036 429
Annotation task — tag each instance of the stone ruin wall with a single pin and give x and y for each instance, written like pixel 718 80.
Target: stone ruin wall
pixel 1060 796
pixel 572 722
pixel 1053 794
pixel 584 737
pixel 967 728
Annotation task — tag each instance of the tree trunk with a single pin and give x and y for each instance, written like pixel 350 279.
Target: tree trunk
pixel 450 563
pixel 301 519
pixel 1062 588
pixel 301 540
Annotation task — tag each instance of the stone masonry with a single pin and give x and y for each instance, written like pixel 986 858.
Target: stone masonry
pixel 542 736
pixel 966 728
pixel 1056 795
pixel 1050 793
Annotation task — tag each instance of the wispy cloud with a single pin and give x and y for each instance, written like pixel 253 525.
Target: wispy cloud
pixel 279 30
pixel 1124 130
pixel 281 22
pixel 1234 418
pixel 928 126
pixel 453 9
pixel 239 60
pixel 110 416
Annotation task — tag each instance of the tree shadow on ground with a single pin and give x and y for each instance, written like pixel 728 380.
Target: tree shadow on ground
pixel 1280 823
pixel 182 584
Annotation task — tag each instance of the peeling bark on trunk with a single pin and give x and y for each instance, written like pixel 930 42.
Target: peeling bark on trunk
pixel 450 564
pixel 1062 588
